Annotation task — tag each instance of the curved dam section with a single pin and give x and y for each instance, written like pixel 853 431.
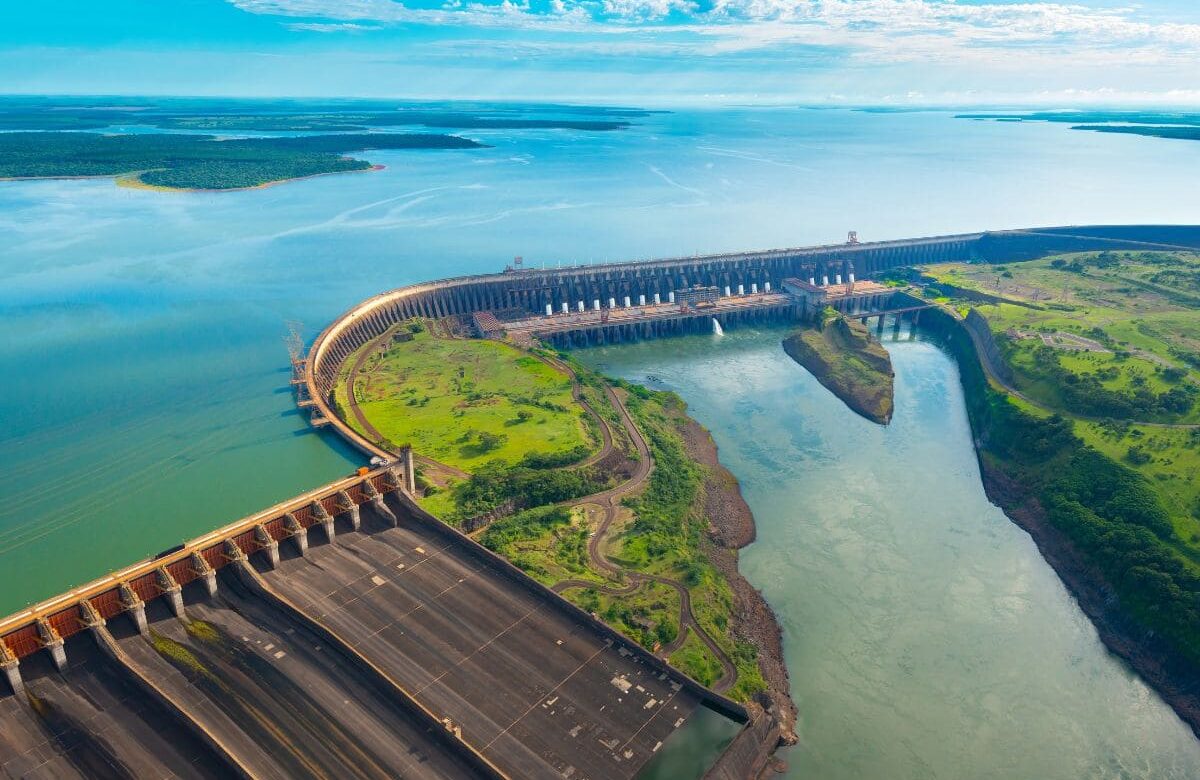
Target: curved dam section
pixel 613 287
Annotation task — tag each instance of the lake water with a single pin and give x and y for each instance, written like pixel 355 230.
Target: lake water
pixel 925 635
pixel 146 397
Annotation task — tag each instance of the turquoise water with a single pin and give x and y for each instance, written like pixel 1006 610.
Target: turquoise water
pixel 925 635
pixel 146 397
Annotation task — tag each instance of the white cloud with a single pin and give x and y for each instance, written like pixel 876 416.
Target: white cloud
pixel 869 30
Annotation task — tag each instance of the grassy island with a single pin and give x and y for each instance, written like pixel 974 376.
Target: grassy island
pixel 852 365
pixel 604 491
pixel 198 162
pixel 1082 375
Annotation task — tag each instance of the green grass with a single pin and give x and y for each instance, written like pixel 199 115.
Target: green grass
pixel 1140 305
pixel 442 395
pixel 696 661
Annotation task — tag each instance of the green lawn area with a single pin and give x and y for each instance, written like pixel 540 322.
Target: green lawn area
pixel 1169 458
pixel 1140 306
pixel 467 402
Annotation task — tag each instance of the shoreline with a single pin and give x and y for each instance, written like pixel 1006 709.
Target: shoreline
pixel 133 181
pixel 732 528
pixel 1151 662
pixel 1176 682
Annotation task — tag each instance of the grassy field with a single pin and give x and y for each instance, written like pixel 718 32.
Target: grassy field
pixel 1139 308
pixel 467 402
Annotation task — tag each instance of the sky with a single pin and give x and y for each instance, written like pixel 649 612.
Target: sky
pixel 645 52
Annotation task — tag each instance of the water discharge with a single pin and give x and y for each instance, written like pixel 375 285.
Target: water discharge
pixel 925 635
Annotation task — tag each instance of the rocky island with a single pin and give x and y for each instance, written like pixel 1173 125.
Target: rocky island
pixel 845 359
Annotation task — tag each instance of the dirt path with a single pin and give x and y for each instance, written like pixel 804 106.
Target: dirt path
pixel 610 501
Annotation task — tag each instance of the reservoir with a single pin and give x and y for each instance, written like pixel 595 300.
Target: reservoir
pixel 146 394
pixel 925 635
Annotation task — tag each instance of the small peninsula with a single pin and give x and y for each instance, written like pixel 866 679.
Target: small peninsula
pixel 606 492
pixel 845 359
pixel 199 162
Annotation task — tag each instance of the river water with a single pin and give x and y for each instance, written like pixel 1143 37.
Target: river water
pixel 925 635
pixel 146 401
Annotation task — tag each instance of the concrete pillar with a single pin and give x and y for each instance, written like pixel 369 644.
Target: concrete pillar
pixel 766 287
pixel 377 503
pixel 812 280
pixel 324 518
pixel 851 277
pixel 171 590
pixel 754 288
pixel 52 643
pixel 595 304
pixel 346 504
pixel 837 278
pixel 641 300
pixel 233 552
pixel 657 299
pixel 566 307
pixel 612 302
pixel 825 280
pixel 269 545
pixel 549 309
pixel 12 668
pixel 205 573
pixel 581 307
pixel 298 532
pixel 88 615
pixel 741 289
pixel 726 291
pixel 671 297
pixel 133 604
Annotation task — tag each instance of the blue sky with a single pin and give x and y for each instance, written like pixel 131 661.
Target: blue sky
pixel 902 52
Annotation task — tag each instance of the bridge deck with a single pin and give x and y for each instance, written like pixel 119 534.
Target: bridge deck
pixel 535 691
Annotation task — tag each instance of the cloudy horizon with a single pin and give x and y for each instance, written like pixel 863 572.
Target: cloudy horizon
pixel 649 52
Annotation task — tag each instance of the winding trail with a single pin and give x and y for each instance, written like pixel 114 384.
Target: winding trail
pixel 608 500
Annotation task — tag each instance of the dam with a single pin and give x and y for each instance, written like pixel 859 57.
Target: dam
pixel 385 643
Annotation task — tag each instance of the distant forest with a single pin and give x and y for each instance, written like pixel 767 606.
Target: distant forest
pixel 1157 124
pixel 44 137
pixel 199 161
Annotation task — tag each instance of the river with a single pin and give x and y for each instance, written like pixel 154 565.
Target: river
pixel 146 397
pixel 925 636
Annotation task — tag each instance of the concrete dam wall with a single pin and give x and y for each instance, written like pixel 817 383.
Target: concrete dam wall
pixel 531 291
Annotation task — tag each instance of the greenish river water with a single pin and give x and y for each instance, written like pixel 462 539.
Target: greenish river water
pixel 925 635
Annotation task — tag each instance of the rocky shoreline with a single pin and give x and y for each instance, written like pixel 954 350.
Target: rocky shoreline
pixel 732 527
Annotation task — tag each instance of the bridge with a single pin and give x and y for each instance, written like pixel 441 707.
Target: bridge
pixel 385 643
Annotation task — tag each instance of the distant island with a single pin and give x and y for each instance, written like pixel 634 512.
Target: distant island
pixel 44 137
pixel 198 162
pixel 1156 124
